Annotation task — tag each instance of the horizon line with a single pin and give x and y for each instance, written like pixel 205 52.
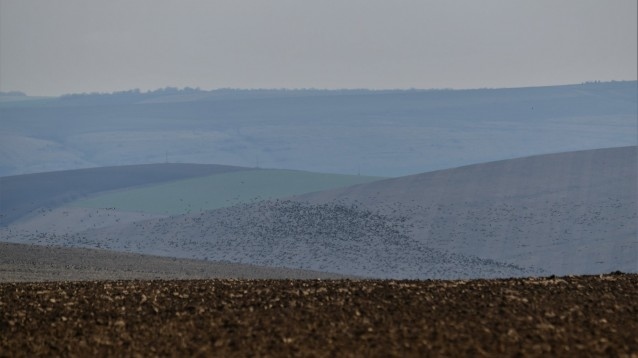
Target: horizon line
pixel 176 89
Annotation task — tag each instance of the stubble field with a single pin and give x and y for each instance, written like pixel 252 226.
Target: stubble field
pixel 566 316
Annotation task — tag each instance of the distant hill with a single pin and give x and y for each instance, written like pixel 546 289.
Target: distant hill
pixel 219 190
pixel 21 194
pixel 377 133
pixel 336 238
pixel 156 189
pixel 565 213
pixel 12 94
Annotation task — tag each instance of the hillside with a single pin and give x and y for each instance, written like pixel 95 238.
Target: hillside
pixel 75 200
pixel 378 133
pixel 335 238
pixel 22 194
pixel 565 213
pixel 33 263
pixel 218 190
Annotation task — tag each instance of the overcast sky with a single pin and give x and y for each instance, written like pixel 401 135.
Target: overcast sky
pixel 51 47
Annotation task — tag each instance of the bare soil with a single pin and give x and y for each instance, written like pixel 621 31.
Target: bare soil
pixel 30 263
pixel 566 316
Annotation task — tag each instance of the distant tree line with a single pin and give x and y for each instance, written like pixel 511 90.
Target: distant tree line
pixel 12 94
pixel 137 93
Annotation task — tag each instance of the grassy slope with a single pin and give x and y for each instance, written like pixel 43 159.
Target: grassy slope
pixel 22 194
pixel 220 190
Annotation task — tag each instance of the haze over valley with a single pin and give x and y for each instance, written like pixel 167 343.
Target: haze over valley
pixel 373 133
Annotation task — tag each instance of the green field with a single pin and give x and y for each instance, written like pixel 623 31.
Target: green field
pixel 220 190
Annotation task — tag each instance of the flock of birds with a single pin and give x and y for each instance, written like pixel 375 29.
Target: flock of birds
pixel 343 238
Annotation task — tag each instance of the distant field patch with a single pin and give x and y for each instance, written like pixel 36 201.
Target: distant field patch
pixel 220 190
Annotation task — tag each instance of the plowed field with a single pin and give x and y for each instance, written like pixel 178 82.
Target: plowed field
pixel 567 316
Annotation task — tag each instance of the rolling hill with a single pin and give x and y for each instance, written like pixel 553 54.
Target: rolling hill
pixel 22 194
pixel 379 133
pixel 72 201
pixel 219 190
pixel 565 213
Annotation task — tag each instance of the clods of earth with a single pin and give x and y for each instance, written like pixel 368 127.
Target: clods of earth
pixel 556 316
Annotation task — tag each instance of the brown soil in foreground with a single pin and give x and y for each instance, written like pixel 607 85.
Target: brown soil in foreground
pixel 568 316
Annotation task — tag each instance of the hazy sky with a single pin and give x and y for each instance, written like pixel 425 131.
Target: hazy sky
pixel 51 47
